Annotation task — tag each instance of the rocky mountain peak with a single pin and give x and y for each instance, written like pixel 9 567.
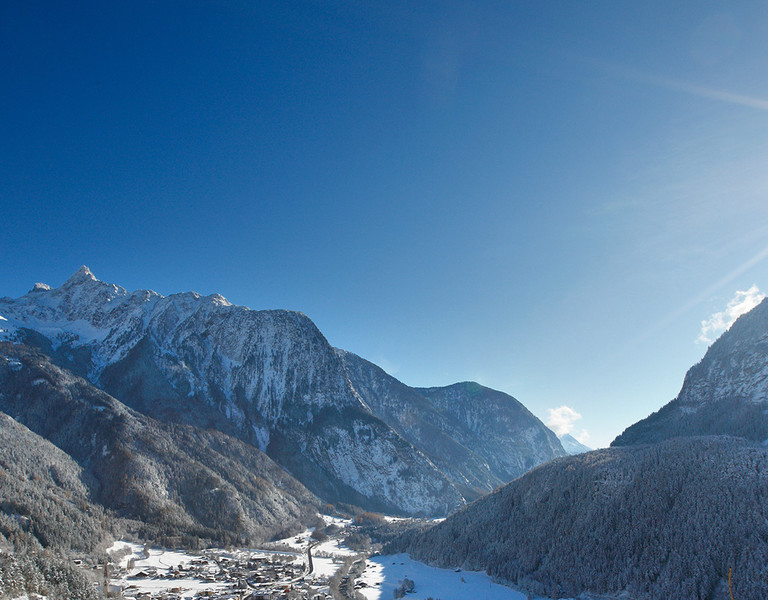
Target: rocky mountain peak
pixel 82 275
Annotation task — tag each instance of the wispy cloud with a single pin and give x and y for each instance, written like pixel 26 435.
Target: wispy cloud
pixel 742 302
pixel 683 86
pixel 712 94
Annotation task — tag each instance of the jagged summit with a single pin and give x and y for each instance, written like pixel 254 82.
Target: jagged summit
pixel 81 275
pixel 221 300
pixel 269 378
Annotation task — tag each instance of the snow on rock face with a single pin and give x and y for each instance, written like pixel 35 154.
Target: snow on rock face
pixel 499 427
pixel 725 393
pixel 267 377
pixel 573 446
pixel 480 438
pixel 736 365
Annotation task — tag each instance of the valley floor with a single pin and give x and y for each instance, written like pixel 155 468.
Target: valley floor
pixel 383 574
pixel 141 572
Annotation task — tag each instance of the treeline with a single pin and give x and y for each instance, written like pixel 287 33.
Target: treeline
pixel 652 522
pixel 734 416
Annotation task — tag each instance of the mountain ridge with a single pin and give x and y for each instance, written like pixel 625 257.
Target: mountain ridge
pixel 269 378
pixel 726 392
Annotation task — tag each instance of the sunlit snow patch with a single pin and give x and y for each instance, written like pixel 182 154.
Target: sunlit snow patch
pixel 385 573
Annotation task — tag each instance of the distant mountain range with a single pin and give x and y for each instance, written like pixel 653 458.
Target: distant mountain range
pixel 269 381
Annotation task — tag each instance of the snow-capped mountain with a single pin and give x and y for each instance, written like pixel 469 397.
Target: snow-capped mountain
pixel 267 377
pixel 572 446
pixel 725 393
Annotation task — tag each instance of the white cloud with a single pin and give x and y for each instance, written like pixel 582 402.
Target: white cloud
pixel 561 419
pixel 742 302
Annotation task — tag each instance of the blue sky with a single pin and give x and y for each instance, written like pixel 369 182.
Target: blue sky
pixel 548 198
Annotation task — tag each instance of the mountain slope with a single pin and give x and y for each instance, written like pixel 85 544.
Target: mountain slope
pixel 725 393
pixel 660 521
pixel 177 480
pixel 496 426
pixel 479 437
pixel 573 446
pixel 45 493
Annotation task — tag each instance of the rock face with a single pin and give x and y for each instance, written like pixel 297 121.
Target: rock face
pixel 725 393
pixel 647 522
pixel 480 438
pixel 497 427
pixel 271 379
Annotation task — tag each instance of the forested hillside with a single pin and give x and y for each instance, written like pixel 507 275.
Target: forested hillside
pixel 182 483
pixel 45 509
pixel 652 522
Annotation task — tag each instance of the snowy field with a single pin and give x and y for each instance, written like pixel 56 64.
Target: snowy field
pixel 384 573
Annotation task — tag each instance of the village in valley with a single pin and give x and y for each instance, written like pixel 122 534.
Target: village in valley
pixel 302 567
pixel 308 566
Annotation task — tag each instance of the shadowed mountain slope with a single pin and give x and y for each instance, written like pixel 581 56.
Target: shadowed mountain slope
pixel 176 479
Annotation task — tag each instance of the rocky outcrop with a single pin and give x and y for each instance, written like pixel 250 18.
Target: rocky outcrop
pixel 725 393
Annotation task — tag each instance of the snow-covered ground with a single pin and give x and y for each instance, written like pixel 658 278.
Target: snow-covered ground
pixel 331 559
pixel 381 576
pixel 384 573
pixel 331 547
pixel 128 550
pixel 325 567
